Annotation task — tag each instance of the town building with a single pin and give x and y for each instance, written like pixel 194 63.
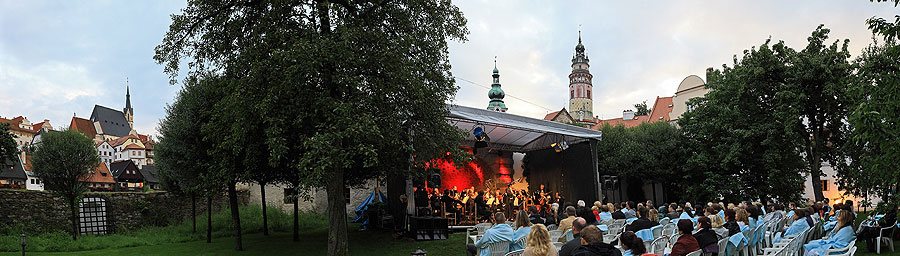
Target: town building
pixel 100 179
pixel 581 103
pixel 12 174
pixel 25 131
pixel 33 182
pixel 496 93
pixel 127 175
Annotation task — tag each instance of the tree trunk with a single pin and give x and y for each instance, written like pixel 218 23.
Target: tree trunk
pixel 262 193
pixel 337 214
pixel 235 216
pixel 209 219
pixel 296 218
pixel 194 211
pixel 73 207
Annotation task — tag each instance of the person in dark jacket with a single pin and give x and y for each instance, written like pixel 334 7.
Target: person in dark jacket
pixel 707 239
pixel 618 214
pixel 686 242
pixel 870 232
pixel 642 222
pixel 577 225
pixel 592 244
pixel 731 223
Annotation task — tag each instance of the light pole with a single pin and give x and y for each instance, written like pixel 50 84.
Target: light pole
pixel 23 243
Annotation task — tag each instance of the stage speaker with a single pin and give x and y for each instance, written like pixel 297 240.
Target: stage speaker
pixel 610 182
pixel 434 180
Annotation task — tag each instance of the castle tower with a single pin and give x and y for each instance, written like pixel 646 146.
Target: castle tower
pixel 496 94
pixel 581 104
pixel 129 113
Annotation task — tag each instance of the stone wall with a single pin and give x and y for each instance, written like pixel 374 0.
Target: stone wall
pixel 316 203
pixel 43 212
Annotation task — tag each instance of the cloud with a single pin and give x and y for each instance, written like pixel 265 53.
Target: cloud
pixel 48 90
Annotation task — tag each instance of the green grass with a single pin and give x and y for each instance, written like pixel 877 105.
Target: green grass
pixel 179 240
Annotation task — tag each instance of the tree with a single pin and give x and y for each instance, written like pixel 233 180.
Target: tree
pixel 62 162
pixel 874 125
pixel 641 109
pixel 182 152
pixel 346 87
pixel 743 133
pixel 819 74
pixel 8 149
pixel 642 153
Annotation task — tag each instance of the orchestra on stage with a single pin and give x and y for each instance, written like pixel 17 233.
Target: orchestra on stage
pixel 470 206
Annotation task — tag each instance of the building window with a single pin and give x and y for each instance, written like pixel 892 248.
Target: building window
pixel 572 94
pixel 289 196
pixel 589 93
pixel 32 181
pixel 824 185
pixel 347 195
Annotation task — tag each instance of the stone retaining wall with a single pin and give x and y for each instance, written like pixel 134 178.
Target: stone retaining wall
pixel 41 211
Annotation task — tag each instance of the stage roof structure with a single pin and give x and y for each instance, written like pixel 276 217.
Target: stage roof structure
pixel 517 133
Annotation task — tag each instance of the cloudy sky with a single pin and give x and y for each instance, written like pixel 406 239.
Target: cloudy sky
pixel 59 58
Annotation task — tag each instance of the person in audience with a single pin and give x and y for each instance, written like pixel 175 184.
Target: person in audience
pixel 630 210
pixel 535 217
pixel 501 232
pixel 596 211
pixel 689 209
pixel 577 225
pixel 633 245
pixel 743 219
pixel 538 243
pixel 642 222
pixel 754 213
pixel 580 204
pixel 777 213
pixel 619 213
pixel 839 239
pixel 592 244
pixel 870 232
pixel 589 217
pixel 674 211
pixel 707 238
pixel 523 228
pixel 566 224
pixel 731 222
pixel 663 210
pixel 798 226
pixel 654 215
pixel 686 242
pixel 604 213
pixel 716 223
pixel 649 204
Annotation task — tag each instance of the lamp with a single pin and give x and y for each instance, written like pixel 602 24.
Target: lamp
pixel 481 138
pixel 560 146
pixel 23 243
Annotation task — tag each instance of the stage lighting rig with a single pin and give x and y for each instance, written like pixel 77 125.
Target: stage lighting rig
pixel 481 138
pixel 560 146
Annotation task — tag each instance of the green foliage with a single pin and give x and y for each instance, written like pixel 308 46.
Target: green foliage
pixel 819 75
pixel 8 149
pixel 279 221
pixel 646 151
pixel 874 125
pixel 743 132
pixel 641 109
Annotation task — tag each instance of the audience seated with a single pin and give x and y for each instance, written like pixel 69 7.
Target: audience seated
pixel 643 222
pixel 633 245
pixel 592 244
pixel 523 228
pixel 707 239
pixel 538 243
pixel 870 233
pixel 566 224
pixel 839 239
pixel 499 233
pixel 577 225
pixel 686 242
pixel 716 222
pixel 797 227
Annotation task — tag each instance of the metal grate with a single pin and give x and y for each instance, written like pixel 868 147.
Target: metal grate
pixel 92 216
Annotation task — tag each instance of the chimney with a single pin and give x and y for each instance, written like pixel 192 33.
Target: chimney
pixel 628 115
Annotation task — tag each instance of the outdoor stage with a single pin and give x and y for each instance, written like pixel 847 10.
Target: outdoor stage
pixel 520 154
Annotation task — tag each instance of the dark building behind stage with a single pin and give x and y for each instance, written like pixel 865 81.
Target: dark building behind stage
pixel 572 172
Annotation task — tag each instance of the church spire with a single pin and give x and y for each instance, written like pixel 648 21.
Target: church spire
pixel 128 111
pixel 496 93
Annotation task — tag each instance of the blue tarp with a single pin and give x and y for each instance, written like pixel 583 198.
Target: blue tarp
pixel 361 209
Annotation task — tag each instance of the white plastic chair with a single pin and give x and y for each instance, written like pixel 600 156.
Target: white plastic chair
pixel 521 241
pixel 558 245
pixel 556 234
pixel 889 239
pixel 552 227
pixel 659 245
pixel 568 234
pixel 518 252
pixel 482 227
pixel 669 229
pixel 496 248
pixel 672 240
pixel 695 253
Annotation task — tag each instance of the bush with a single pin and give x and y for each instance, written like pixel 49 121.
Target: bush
pixel 251 222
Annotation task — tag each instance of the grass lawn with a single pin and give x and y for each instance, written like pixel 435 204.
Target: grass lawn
pixel 311 243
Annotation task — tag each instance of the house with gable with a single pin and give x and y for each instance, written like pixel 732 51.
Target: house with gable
pixel 126 175
pixel 100 179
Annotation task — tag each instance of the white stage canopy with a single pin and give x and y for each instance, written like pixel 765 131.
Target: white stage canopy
pixel 517 133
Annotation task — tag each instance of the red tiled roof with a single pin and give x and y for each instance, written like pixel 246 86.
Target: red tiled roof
pixel 122 140
pixel 37 127
pixel 551 115
pixel 101 175
pixel 661 109
pixel 28 163
pixel 618 121
pixel 83 125
pixel 133 146
pixel 14 124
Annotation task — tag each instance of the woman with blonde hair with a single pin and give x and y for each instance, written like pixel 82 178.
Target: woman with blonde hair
pixel 538 243
pixel 654 215
pixel 743 219
pixel 523 228
pixel 839 239
pixel 717 225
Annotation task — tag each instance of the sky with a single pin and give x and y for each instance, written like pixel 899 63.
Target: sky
pixel 60 58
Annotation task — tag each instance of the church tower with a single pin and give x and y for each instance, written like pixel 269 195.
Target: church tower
pixel 581 105
pixel 496 94
pixel 129 113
